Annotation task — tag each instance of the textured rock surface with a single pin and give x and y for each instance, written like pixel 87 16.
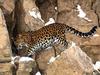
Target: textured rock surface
pixel 67 13
pixel 93 52
pixel 5 69
pixel 47 8
pixel 25 21
pixel 7 7
pixel 43 59
pixel 5 48
pixel 96 7
pixel 72 61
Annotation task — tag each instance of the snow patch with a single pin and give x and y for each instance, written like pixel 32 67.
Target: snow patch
pixel 82 14
pixel 36 14
pixel 25 59
pixel 51 20
pixel 38 73
pixel 97 66
pixel 96 35
pixel 52 59
pixel 56 8
pixel 20 59
pixel 73 44
pixel 13 59
pixel 86 18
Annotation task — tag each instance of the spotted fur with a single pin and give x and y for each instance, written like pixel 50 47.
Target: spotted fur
pixel 47 36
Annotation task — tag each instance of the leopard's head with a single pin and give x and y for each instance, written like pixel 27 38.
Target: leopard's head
pixel 23 43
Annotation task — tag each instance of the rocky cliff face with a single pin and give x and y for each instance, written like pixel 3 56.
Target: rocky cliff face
pixel 5 48
pixel 18 16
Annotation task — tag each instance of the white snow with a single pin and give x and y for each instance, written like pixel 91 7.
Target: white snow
pixel 36 14
pixel 52 59
pixel 97 66
pixel 25 59
pixel 73 44
pixel 38 73
pixel 96 35
pixel 51 20
pixel 21 59
pixel 13 59
pixel 56 8
pixel 86 18
pixel 82 14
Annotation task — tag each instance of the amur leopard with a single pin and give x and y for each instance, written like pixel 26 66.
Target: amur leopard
pixel 47 36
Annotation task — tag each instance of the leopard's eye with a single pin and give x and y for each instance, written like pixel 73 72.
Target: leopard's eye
pixel 20 46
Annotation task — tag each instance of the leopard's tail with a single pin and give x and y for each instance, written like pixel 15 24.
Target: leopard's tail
pixel 82 34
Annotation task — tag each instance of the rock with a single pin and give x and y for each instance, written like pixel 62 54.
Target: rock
pixel 72 61
pixel 5 48
pixel 68 13
pixel 44 56
pixel 7 7
pixel 26 66
pixel 43 59
pixel 26 16
pixel 96 8
pixel 47 9
pixel 93 51
pixel 5 69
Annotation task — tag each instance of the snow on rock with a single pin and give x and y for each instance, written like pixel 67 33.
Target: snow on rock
pixel 52 59
pixel 56 8
pixel 25 59
pixel 73 44
pixel 96 35
pixel 51 20
pixel 38 73
pixel 87 19
pixel 13 59
pixel 82 14
pixel 20 59
pixel 97 66
pixel 36 14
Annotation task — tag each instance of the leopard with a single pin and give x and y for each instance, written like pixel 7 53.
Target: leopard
pixel 33 41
